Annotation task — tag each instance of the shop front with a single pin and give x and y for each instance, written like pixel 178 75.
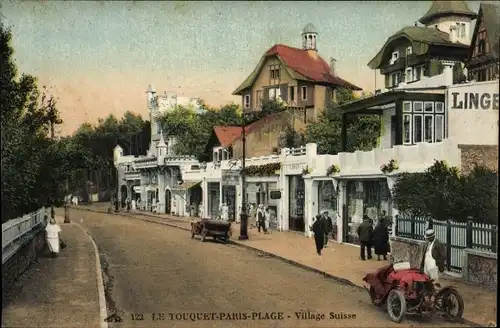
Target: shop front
pixel 328 201
pixel 230 179
pixel 296 202
pixel 259 192
pixel 368 197
pixel 213 199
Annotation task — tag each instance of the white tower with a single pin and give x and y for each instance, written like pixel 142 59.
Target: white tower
pixel 153 111
pixel 309 35
pixel 161 149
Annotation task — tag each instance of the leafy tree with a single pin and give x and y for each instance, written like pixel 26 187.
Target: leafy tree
pixel 362 131
pixel 442 193
pixel 192 130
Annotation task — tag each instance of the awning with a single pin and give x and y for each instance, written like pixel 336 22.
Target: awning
pixel 186 185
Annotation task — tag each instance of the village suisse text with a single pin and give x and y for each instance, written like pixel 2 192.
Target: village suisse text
pixel 222 316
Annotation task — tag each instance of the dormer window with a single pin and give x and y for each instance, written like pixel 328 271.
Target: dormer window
pixel 274 72
pixel 395 56
pixel 461 30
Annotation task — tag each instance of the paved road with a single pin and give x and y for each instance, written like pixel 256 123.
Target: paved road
pixel 156 269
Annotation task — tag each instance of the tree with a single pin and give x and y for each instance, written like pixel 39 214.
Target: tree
pixel 362 131
pixel 27 115
pixel 193 130
pixel 441 193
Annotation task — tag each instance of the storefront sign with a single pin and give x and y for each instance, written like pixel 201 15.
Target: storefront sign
pixel 230 178
pixel 275 194
pixel 474 100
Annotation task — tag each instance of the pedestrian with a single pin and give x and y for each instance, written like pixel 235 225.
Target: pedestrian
pixel 128 204
pixel 261 218
pixel 381 239
pixel 253 213
pixel 319 233
pixel 52 231
pixel 327 226
pixel 267 220
pixel 365 234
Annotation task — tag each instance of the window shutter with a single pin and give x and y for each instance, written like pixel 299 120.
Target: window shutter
pixel 284 92
pixel 266 95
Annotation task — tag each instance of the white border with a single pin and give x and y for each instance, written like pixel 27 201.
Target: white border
pixel 442 127
pixel 432 106
pixel 405 103
pixel 432 127
pixel 415 106
pixel 441 111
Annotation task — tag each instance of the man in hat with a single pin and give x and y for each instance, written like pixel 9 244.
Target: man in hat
pixel 319 233
pixel 434 257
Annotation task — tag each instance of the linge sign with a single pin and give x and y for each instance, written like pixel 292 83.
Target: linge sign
pixel 474 100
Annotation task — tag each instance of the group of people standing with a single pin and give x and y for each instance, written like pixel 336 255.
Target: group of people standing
pixel 261 218
pixel 377 237
pixel 322 228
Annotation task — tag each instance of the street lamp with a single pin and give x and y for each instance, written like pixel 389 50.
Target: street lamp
pixel 243 215
pixel 66 205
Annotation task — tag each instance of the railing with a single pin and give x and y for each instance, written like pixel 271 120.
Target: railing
pixel 14 229
pixel 295 151
pixel 455 235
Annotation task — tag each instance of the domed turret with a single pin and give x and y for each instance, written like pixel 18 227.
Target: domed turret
pixel 309 35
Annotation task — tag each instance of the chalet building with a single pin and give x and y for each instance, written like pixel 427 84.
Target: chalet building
pixel 297 76
pixel 417 51
pixel 483 63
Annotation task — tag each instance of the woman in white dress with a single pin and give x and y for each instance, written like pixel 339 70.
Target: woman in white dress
pixel 52 236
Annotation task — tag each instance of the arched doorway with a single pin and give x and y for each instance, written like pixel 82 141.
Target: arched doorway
pixel 195 198
pixel 168 201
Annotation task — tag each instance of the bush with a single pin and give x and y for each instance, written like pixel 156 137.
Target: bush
pixel 442 193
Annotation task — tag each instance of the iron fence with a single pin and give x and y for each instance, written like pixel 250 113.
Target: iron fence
pixel 455 235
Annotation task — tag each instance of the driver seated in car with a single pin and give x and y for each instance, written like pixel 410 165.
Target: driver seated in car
pixel 434 258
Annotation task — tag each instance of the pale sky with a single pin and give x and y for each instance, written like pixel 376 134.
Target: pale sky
pixel 99 57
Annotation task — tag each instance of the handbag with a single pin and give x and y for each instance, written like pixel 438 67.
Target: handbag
pixel 62 245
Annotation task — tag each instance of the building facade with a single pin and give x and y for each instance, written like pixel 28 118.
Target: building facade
pixel 432 118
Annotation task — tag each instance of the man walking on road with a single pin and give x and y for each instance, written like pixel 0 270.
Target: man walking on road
pixel 319 234
pixel 327 226
pixel 365 233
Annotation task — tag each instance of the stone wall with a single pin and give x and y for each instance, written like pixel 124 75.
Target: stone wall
pixel 480 268
pixel 486 155
pixel 406 250
pixel 264 135
pixel 22 259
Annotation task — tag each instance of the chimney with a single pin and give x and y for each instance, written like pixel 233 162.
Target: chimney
pixel 448 71
pixel 453 34
pixel 333 71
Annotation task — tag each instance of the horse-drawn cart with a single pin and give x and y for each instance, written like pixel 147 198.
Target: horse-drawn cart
pixel 211 228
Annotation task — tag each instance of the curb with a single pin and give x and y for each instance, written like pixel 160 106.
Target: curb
pixel 254 249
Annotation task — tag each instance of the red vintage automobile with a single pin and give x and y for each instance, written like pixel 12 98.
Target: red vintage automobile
pixel 410 291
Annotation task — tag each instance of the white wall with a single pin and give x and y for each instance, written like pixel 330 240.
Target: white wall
pixel 385 135
pixel 470 125
pixel 445 23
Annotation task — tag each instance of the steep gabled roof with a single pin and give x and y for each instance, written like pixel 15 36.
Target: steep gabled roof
pixel 420 37
pixel 447 8
pixel 227 134
pixel 488 14
pixel 300 65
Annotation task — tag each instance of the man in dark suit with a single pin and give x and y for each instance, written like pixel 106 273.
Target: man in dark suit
pixel 365 234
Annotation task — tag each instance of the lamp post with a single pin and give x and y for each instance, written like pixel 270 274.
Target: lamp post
pixel 243 215
pixel 66 205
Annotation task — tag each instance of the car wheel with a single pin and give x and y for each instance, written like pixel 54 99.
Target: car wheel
pixel 396 305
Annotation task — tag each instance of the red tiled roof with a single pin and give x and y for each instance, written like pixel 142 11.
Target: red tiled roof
pixel 315 69
pixel 227 134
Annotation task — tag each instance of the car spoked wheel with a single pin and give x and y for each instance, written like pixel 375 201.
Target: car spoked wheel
pixel 396 305
pixel 451 304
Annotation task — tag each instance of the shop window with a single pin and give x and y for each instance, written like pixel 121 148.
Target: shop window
pixel 428 128
pixel 417 128
pixel 439 126
pixel 327 199
pixel 407 129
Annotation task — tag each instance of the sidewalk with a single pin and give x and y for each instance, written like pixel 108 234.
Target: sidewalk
pixel 339 261
pixel 60 292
